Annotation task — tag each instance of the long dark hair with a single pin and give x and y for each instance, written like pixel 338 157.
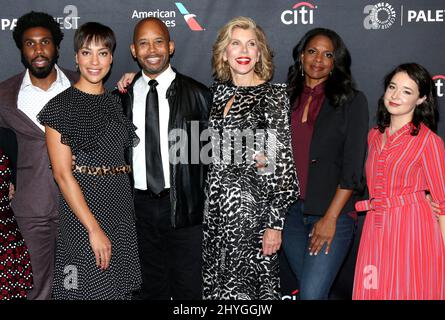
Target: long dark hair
pixel 339 87
pixel 426 113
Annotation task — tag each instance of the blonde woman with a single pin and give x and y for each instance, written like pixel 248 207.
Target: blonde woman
pixel 245 207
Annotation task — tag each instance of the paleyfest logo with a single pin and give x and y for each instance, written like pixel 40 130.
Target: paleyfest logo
pixel 379 16
pixel 70 20
pixel 439 82
pixel 301 13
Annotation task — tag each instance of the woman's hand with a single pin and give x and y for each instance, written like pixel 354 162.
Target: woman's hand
pixel 271 241
pixel 323 231
pixel 434 206
pixel 101 246
pixel 124 81
pixel 11 191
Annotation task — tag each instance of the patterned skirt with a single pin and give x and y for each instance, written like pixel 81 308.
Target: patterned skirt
pixel 15 263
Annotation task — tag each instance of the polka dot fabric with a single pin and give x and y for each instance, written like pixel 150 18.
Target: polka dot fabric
pixel 99 139
pixel 15 266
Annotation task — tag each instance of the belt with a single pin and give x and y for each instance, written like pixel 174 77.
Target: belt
pixel 148 193
pixel 101 171
pixel 384 203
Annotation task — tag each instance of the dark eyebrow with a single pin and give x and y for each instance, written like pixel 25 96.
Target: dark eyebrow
pixel 38 39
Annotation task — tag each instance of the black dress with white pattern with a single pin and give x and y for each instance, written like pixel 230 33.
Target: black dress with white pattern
pixel 241 200
pixel 97 133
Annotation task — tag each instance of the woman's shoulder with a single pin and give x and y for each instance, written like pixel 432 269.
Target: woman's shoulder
pixel 357 97
pixel 356 105
pixel 61 100
pixel 429 135
pixel 373 133
pixel 278 85
pixel 272 90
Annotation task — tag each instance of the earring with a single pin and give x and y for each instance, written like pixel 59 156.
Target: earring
pixel 301 68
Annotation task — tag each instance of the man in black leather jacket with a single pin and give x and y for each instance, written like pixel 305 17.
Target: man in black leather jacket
pixel 169 218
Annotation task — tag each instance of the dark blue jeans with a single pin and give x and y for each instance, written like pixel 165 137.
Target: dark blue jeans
pixel 315 273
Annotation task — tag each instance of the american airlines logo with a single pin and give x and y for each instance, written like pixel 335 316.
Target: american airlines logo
pixel 169 16
pixel 189 18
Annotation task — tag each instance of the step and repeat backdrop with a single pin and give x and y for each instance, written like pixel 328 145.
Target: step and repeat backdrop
pixel 379 34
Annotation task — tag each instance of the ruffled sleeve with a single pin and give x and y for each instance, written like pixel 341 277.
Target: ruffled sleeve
pixel 133 140
pixel 83 118
pixel 54 115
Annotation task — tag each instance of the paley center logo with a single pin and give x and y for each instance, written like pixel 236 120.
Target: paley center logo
pixel 301 13
pixel 439 81
pixel 70 20
pixel 169 17
pixel 382 16
pixel 379 16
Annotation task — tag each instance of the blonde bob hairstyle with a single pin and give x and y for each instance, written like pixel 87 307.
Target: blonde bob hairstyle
pixel 221 68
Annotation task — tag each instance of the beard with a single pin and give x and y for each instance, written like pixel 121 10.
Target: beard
pixel 43 72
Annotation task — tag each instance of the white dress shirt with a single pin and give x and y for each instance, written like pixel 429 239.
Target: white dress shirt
pixel 140 90
pixel 32 99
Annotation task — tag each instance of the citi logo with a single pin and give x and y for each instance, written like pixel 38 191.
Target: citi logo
pixel 293 296
pixel 301 13
pixel 439 81
pixel 190 18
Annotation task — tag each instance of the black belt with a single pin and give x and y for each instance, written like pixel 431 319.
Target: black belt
pixel 150 194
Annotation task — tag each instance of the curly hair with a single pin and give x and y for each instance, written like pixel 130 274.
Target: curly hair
pixel 221 69
pixel 426 113
pixel 36 19
pixel 339 87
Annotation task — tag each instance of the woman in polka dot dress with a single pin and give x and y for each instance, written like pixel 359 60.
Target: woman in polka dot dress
pixel 15 265
pixel 96 255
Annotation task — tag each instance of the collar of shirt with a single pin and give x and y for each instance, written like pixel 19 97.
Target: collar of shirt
pixel 60 79
pixel 164 80
pixel 317 90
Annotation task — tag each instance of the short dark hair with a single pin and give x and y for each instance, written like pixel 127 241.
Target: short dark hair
pixel 33 20
pixel 339 86
pixel 96 32
pixel 427 112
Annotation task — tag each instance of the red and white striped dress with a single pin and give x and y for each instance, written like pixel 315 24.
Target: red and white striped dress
pixel 402 254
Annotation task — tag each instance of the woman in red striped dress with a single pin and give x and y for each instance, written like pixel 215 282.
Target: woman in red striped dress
pixel 402 251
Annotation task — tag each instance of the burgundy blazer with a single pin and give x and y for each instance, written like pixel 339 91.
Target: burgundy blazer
pixel 37 192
